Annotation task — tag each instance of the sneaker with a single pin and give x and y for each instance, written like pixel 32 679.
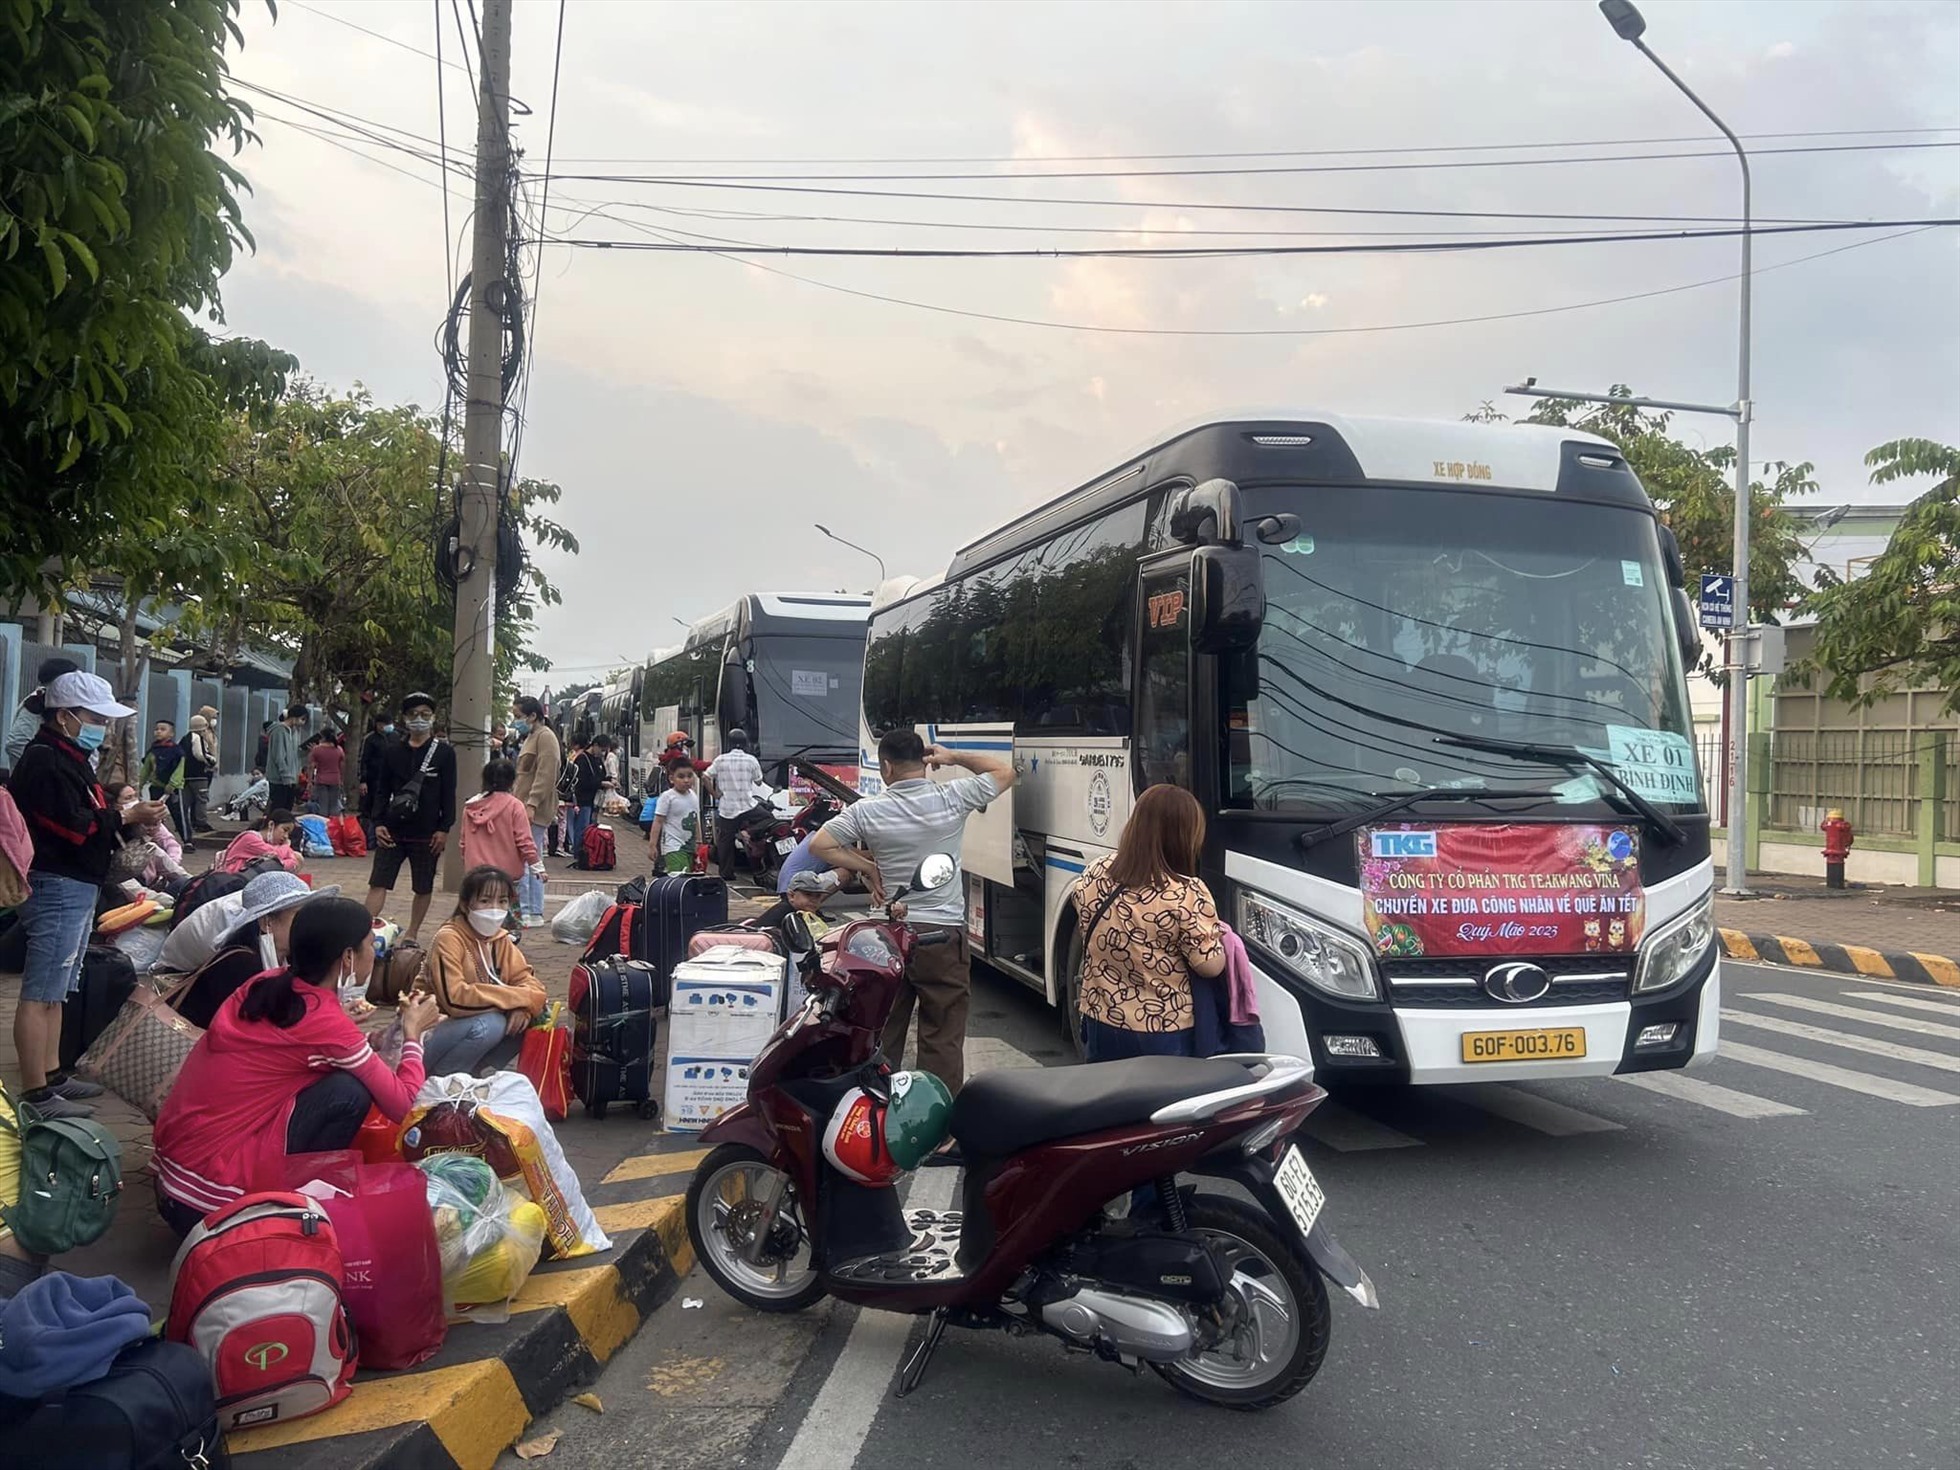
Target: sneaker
pixel 50 1104
pixel 534 921
pixel 74 1089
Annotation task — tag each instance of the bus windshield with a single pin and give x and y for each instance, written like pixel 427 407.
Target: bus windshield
pixel 806 693
pixel 1401 615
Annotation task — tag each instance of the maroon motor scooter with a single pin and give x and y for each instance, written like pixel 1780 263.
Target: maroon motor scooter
pixel 1220 1295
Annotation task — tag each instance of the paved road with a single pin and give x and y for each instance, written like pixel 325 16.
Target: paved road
pixel 1756 1264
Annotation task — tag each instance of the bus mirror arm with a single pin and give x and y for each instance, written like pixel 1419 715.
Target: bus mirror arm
pixel 1276 530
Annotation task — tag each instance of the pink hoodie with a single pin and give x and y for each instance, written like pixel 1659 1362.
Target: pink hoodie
pixel 248 847
pixel 497 834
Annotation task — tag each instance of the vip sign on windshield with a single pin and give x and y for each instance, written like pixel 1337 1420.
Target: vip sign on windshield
pixel 1472 889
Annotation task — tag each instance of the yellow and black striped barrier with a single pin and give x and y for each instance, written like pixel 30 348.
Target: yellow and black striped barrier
pixel 463 1408
pixel 1842 959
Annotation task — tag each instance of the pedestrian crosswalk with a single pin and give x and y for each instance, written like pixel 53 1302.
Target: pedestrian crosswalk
pixel 1783 1056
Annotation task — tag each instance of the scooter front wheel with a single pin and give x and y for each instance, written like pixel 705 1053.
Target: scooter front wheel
pixel 759 1256
pixel 1278 1321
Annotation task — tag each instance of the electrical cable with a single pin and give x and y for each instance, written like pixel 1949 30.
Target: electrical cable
pixel 544 204
pixel 352 26
pixel 442 138
pixel 1233 252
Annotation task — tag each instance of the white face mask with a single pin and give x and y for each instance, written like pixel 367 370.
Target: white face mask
pixel 421 726
pixel 268 951
pixel 353 989
pixel 488 921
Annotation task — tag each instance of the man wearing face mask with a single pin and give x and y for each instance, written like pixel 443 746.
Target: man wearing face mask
pixel 76 830
pixel 414 808
pixel 380 735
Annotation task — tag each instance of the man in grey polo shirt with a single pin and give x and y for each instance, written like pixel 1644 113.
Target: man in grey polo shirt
pixel 911 818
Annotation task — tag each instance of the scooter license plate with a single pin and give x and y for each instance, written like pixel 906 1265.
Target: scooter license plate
pixel 785 845
pixel 1299 1189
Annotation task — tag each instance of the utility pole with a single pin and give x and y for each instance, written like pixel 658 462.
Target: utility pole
pixel 474 669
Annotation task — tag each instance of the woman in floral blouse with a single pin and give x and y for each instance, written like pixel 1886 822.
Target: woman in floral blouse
pixel 1149 925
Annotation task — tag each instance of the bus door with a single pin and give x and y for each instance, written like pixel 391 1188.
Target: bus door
pixel 1160 742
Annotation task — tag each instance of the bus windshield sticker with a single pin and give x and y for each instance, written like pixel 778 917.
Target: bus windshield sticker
pixel 1631 574
pixel 806 684
pixel 1659 764
pixel 1301 545
pixel 1466 888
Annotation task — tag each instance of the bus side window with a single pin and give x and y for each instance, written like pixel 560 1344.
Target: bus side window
pixel 1162 741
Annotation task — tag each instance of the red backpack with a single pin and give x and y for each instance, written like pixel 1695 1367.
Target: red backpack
pixel 600 852
pixel 256 1289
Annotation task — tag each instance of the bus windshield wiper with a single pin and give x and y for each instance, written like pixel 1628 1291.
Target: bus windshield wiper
pixel 1665 826
pixel 1403 800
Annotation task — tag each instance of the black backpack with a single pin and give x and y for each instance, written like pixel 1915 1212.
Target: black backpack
pixel 205 887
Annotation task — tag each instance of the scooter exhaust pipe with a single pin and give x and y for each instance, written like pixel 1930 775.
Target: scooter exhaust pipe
pixel 1131 1325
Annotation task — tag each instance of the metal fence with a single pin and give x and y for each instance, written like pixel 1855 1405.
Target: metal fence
pixel 1950 819
pixel 1871 775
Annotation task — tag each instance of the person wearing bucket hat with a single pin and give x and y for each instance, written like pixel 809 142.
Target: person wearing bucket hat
pixel 76 830
pixel 257 938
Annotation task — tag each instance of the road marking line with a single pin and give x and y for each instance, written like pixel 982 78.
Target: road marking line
pixel 1868 961
pixel 1798 952
pixel 1530 1111
pixel 652 1166
pixel 1853 1013
pixel 1865 1082
pixel 1912 1002
pixel 1710 1095
pixel 1918 1056
pixel 1351 1132
pixel 1942 969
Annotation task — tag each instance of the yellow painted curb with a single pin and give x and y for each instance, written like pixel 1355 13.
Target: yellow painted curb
pixel 474 1408
pixel 1943 970
pixel 1799 952
pixel 1868 961
pixel 1738 946
pixel 652 1166
pixel 643 1214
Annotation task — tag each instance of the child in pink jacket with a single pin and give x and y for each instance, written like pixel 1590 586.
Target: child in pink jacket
pixel 272 838
pixel 496 827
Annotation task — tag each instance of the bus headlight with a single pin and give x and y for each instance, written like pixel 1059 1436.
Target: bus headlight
pixel 1324 957
pixel 1675 950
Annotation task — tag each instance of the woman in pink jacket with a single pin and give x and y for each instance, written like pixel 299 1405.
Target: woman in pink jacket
pixel 497 827
pixel 272 838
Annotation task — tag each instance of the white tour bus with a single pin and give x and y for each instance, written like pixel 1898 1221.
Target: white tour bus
pixel 1426 680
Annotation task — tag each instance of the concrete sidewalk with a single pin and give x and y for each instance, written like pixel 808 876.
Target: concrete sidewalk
pixel 474 1398
pixel 1878 932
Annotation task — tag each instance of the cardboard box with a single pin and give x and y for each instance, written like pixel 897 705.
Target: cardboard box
pixel 724 1006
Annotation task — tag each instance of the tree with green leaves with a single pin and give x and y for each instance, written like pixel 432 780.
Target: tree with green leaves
pixel 117 219
pixel 1898 626
pixel 1694 490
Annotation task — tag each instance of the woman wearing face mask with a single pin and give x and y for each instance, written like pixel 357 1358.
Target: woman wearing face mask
pixel 76 831
pixel 482 982
pixel 257 938
pixel 283 1070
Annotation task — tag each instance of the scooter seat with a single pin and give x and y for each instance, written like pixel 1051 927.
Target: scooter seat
pixel 1006 1111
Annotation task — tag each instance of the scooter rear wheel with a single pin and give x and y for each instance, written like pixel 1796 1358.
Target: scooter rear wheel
pixel 723 1209
pixel 1280 1338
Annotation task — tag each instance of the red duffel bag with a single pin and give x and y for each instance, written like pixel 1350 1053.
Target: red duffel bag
pixel 347 837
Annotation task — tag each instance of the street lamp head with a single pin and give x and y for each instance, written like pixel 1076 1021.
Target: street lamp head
pixel 1625 18
pixel 825 529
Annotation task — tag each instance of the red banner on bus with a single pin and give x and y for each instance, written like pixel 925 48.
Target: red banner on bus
pixel 1488 889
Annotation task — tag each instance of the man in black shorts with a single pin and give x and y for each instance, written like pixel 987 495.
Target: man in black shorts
pixel 414 808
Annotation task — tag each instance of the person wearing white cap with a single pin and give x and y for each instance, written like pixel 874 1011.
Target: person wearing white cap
pixel 76 830
pixel 256 939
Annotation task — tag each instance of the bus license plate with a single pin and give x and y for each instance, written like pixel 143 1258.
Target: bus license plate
pixel 1301 1191
pixel 1558 1043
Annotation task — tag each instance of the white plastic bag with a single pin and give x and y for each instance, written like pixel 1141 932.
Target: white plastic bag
pixel 577 921
pixel 500 1118
pixel 143 944
pixel 488 1237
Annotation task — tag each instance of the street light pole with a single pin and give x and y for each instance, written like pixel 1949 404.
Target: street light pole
pixel 1628 23
pixel 855 547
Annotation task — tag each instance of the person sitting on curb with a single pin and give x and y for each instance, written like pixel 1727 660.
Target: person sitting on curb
pixel 283 1070
pixel 481 980
pixel 272 838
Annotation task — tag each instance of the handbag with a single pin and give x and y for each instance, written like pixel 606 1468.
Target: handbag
pixel 406 802
pixel 545 1057
pixel 141 1051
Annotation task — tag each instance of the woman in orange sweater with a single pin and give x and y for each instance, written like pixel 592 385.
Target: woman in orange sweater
pixel 481 981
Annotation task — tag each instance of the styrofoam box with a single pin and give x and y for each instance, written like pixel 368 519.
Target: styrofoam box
pixel 724 1005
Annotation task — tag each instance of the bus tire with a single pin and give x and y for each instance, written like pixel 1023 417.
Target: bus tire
pixel 1070 994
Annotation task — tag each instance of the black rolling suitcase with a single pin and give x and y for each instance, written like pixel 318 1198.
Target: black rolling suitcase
pixel 678 906
pixel 108 979
pixel 615 1006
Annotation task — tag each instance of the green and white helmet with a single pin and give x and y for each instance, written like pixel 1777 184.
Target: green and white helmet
pixel 919 1118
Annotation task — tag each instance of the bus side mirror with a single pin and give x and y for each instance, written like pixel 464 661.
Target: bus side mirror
pixel 1228 592
pixel 1687 631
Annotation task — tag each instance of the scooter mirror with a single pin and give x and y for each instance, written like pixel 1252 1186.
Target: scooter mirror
pixel 797 933
pixel 936 871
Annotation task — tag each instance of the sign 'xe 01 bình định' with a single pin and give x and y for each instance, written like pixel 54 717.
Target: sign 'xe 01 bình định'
pixel 1466 888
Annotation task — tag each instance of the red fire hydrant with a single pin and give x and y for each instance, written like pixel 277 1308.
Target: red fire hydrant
pixel 1837 847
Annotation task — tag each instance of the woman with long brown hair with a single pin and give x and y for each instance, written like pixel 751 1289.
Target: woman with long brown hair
pixel 1148 925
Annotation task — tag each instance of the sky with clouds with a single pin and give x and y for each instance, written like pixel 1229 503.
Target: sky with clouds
pixel 700 411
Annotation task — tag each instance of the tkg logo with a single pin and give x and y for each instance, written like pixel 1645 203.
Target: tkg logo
pixel 1404 844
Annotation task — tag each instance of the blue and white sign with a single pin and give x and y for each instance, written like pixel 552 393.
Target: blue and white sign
pixel 1717 601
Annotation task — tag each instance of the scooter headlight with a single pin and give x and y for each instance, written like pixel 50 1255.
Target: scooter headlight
pixel 1322 956
pixel 1673 952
